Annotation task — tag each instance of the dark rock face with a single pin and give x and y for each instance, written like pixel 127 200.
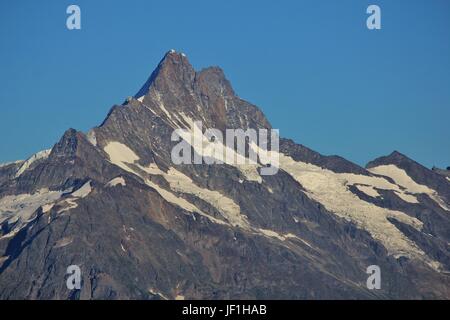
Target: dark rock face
pixel 442 172
pixel 140 227
pixel 334 163
pixel 8 171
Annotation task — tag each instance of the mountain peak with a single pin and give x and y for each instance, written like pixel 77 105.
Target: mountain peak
pixel 174 56
pixel 214 77
pixel 174 87
pixel 397 154
pixel 417 172
pixel 394 157
pixel 173 68
pixel 119 188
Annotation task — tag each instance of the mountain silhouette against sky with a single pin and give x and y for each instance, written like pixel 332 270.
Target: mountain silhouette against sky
pixel 112 202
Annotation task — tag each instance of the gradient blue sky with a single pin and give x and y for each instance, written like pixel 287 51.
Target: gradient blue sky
pixel 312 67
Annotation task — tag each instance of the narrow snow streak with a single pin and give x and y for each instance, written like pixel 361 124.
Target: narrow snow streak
pixel 119 181
pixel 71 203
pixel 368 190
pixel 63 242
pixel 10 163
pixel 27 164
pixel 246 166
pixel 229 209
pixel 92 137
pixel 156 293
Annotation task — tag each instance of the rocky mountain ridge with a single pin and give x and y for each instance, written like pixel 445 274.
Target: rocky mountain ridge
pixel 112 202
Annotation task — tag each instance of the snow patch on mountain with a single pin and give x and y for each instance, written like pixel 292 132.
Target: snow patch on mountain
pixel 178 201
pixel 37 156
pixel 368 190
pixel 122 156
pixel 245 165
pixel 67 205
pixel 359 180
pixel 119 181
pixel 156 293
pixel 22 206
pixel 63 242
pixel 3 259
pixel 403 179
pixel 119 154
pixel 162 107
pixel 407 197
pixel 91 137
pixel 331 190
pixel 231 211
pixel 71 202
pixel 11 163
pixel 84 191
pixel 226 206
pixel 47 207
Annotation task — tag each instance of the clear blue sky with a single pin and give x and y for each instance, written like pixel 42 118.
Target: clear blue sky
pixel 312 66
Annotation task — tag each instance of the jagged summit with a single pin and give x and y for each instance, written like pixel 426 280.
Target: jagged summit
pixel 175 91
pixel 174 70
pixel 173 66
